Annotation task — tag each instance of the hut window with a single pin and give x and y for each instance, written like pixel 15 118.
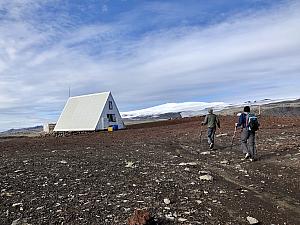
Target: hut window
pixel 110 105
pixel 111 117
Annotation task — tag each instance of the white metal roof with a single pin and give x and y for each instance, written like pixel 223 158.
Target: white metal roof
pixel 82 112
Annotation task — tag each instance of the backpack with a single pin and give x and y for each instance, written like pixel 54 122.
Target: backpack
pixel 253 123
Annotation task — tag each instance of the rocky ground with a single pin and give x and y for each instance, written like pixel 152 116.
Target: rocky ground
pixel 165 167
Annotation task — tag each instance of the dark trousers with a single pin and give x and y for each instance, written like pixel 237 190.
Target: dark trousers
pixel 248 142
pixel 211 135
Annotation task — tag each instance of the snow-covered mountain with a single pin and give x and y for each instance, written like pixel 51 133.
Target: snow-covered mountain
pixel 185 108
pixel 188 109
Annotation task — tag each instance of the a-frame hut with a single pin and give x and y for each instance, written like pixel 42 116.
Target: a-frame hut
pixel 91 112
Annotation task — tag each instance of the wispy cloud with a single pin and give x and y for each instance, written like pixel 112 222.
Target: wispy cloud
pixel 245 56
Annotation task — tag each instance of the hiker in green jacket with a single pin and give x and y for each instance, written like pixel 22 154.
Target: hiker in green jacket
pixel 212 121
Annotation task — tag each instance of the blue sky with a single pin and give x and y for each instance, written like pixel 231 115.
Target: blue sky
pixel 146 52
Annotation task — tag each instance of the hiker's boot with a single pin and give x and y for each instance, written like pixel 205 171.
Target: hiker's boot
pixel 252 159
pixel 247 156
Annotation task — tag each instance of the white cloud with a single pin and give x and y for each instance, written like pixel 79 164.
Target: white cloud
pixel 217 62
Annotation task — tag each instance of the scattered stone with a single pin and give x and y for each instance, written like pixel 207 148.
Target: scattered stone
pixel 181 219
pixel 170 217
pixel 252 220
pixel 188 164
pixel 6 194
pixel 205 153
pixel 243 171
pixel 129 164
pixel 167 201
pixel 20 221
pixel 15 222
pixel 203 172
pixel 63 162
pixel 17 204
pixel 224 162
pixel 206 177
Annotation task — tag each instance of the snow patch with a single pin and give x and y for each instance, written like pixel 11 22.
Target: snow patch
pixel 186 108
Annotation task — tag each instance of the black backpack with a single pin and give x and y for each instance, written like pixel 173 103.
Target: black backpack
pixel 253 124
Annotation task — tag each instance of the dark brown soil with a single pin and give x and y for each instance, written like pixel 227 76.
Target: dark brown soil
pixel 101 178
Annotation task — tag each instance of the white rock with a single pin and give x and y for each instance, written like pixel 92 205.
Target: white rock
pixel 129 164
pixel 63 161
pixel 198 202
pixel 203 172
pixel 170 217
pixel 224 162
pixel 205 153
pixel 188 164
pixel 15 222
pixel 17 204
pixel 192 164
pixel 252 220
pixel 206 177
pixel 181 219
pixel 167 201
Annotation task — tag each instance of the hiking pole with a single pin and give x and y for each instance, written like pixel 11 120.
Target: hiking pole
pixel 201 131
pixel 233 137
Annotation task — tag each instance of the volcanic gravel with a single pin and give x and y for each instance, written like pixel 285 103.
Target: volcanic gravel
pixel 163 167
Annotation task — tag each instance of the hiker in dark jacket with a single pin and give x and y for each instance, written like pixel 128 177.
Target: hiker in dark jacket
pixel 212 121
pixel 247 134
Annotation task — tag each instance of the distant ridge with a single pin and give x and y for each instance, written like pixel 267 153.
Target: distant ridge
pixel 22 131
